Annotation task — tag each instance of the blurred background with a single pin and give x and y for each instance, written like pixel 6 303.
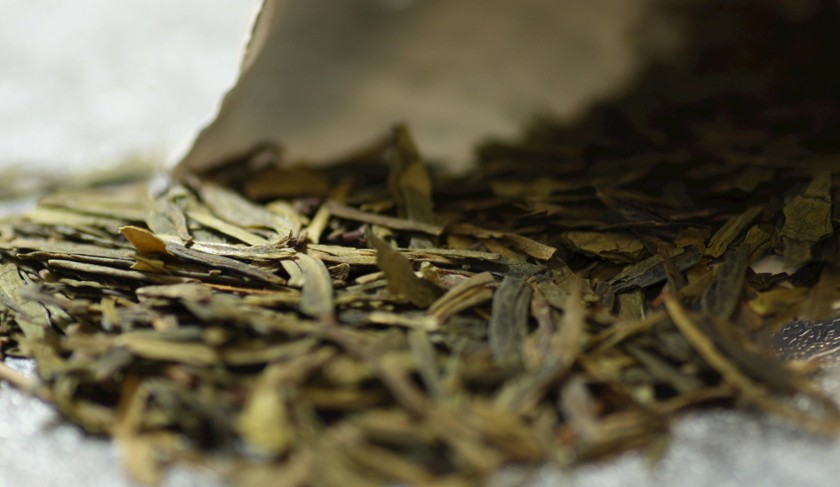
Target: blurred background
pixel 89 83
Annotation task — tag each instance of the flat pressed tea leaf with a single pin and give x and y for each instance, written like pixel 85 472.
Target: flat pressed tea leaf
pixel 808 215
pixel 807 220
pixel 652 271
pixel 237 210
pixel 558 345
pixel 143 240
pixel 470 292
pixel 730 231
pixel 349 213
pixel 268 251
pixel 317 293
pixel 226 228
pixel 509 320
pixel 400 274
pixel 616 247
pixel 721 299
pixel 220 262
pixel 287 182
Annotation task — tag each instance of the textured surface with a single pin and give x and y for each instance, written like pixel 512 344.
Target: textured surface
pixel 83 85
pixel 38 449
pixel 68 95
pixel 88 82
pixel 804 340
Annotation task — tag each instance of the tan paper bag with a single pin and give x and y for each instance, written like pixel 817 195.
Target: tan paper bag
pixel 321 77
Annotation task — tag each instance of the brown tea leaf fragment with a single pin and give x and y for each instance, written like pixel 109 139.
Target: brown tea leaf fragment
pixel 722 298
pixel 57 217
pixel 824 297
pixel 419 321
pixel 264 423
pixel 343 211
pixel 615 247
pixel 322 217
pixel 663 371
pixel 509 320
pixel 143 240
pixel 32 316
pixel 808 215
pixel 757 241
pixel 519 242
pixel 137 452
pixel 807 220
pixel 470 292
pixel 467 444
pixel 425 357
pixel 237 210
pixel 631 305
pixel 410 183
pixel 269 251
pixel 709 351
pixel 294 472
pixel 130 206
pixel 22 382
pixel 778 300
pixel 223 227
pixel 336 254
pixel 557 344
pixel 730 230
pixel 192 291
pixel 111 272
pixel 259 353
pixel 390 465
pixel 316 298
pixel 285 182
pixel 157 347
pixel 70 248
pixel 400 274
pixel 643 273
pixel 104 261
pixel 219 262
pixel 578 406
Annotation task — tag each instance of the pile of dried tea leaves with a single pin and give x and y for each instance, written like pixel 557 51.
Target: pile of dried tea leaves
pixel 374 323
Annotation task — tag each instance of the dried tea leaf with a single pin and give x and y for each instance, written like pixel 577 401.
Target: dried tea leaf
pixel 220 262
pixel 651 271
pixel 807 220
pixel 264 422
pixel 824 297
pixel 730 230
pixel 470 292
pixel 706 348
pixel 400 275
pixel 236 210
pixel 615 247
pixel 226 228
pixel 808 215
pixel 143 240
pixel 285 182
pixel 319 222
pixel 778 300
pixel 509 320
pixel 317 293
pixel 721 299
pixel 343 211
